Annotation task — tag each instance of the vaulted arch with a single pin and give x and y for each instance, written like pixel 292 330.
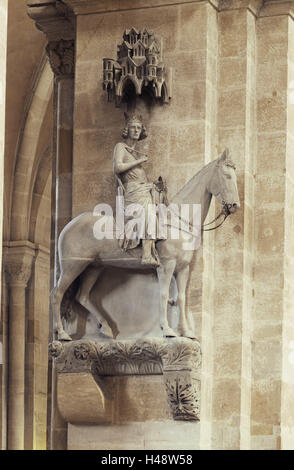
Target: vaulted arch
pixel 40 214
pixel 28 154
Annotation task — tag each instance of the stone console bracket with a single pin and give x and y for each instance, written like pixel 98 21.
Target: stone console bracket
pixel 178 359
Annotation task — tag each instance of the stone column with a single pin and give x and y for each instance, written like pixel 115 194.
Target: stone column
pixel 229 272
pixel 272 318
pixel 206 296
pixel 3 28
pixel 61 57
pixel 37 335
pixel 287 389
pixel 18 266
pixel 62 183
pixel 251 391
pixel 57 22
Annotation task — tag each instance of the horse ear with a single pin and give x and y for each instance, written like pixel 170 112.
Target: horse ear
pixel 224 155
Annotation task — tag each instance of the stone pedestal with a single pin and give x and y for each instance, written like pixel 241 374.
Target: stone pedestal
pixel 145 384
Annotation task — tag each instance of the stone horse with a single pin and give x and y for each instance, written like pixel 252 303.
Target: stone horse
pixel 81 254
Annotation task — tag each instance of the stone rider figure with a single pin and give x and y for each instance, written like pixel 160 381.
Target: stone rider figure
pixel 136 189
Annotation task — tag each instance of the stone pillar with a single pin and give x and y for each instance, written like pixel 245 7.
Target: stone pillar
pixel 37 336
pixel 252 367
pixel 62 184
pixel 61 57
pixel 272 318
pixel 287 390
pixel 58 24
pixel 3 28
pixel 229 269
pixel 205 294
pixel 18 266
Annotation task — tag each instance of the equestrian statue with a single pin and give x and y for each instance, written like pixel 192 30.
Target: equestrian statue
pixel 82 254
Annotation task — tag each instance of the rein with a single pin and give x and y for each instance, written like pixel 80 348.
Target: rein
pixel 216 218
pixel 225 212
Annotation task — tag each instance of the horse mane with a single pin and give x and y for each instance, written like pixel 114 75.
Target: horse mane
pixel 192 183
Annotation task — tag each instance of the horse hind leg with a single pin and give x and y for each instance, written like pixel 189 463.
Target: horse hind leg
pixel 87 281
pixel 69 272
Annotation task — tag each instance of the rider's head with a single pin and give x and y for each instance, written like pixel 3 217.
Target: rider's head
pixel 134 128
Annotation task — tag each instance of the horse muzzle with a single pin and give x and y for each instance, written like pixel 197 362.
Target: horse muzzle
pixel 230 208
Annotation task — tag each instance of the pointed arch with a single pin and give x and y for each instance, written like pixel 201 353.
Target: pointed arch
pixel 28 153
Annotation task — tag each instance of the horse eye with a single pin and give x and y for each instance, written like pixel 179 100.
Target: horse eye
pixel 228 176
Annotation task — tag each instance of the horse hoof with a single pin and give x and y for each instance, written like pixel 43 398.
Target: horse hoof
pixel 150 262
pixel 187 334
pixel 115 332
pixel 168 332
pixel 63 336
pixel 102 335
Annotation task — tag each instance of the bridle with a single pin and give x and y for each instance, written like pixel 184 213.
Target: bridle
pixel 225 212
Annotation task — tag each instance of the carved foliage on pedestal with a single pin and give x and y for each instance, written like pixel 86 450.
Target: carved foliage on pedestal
pixel 85 351
pixel 181 363
pixel 61 56
pixel 130 358
pixel 181 355
pixel 184 397
pixel 55 349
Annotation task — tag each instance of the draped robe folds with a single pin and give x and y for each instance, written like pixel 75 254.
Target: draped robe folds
pixel 139 203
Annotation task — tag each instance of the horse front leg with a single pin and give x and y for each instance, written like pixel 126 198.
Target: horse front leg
pixel 182 281
pixel 164 273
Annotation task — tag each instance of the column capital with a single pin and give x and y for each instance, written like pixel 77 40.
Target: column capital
pixel 84 7
pixel 55 19
pixel 277 8
pixel 252 5
pixel 18 261
pixel 61 55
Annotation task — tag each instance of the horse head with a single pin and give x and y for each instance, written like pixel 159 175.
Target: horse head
pixel 223 184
